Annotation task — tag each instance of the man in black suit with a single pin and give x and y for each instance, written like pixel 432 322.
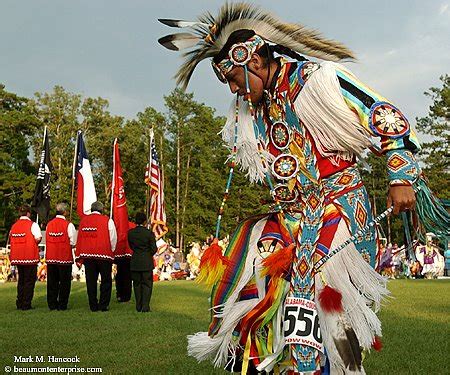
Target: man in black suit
pixel 142 242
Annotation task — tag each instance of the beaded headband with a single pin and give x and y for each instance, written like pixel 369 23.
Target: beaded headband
pixel 239 55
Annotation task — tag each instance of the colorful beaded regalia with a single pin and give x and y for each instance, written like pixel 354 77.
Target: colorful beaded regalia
pixel 296 291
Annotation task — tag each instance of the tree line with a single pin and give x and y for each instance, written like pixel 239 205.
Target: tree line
pixel 191 153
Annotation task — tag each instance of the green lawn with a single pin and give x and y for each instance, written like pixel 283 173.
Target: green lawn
pixel 416 330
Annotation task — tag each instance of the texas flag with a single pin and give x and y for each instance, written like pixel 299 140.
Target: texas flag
pixel 84 182
pixel 119 209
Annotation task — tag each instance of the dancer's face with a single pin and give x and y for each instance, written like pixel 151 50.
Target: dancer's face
pixel 257 74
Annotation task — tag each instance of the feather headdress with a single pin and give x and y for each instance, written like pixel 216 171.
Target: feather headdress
pixel 209 34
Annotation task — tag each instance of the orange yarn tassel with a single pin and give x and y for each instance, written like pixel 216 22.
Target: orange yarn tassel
pixel 212 264
pixel 279 263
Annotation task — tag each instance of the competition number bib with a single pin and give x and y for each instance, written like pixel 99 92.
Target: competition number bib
pixel 301 323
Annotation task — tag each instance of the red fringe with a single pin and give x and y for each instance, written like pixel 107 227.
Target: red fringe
pixel 377 344
pixel 279 263
pixel 330 300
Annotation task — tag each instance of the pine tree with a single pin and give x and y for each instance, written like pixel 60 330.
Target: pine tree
pixel 436 153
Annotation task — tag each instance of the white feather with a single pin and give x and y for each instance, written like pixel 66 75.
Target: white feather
pixel 180 23
pixel 187 42
pixel 177 42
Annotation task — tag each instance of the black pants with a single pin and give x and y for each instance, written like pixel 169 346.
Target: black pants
pixel 25 286
pixel 59 280
pixel 93 268
pixel 123 279
pixel 142 285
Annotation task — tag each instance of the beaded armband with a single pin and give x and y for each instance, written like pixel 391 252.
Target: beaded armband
pixel 403 168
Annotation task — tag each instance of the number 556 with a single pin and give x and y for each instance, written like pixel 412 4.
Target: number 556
pixel 302 320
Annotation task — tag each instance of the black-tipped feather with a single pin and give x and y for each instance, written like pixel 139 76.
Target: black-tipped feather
pixel 178 23
pixel 347 345
pixel 177 42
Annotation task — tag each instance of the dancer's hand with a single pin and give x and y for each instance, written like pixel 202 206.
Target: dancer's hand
pixel 402 197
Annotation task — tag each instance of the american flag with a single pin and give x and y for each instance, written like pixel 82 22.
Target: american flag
pixel 154 178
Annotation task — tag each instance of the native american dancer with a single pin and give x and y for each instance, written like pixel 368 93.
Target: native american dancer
pixel 284 298
pixel 430 259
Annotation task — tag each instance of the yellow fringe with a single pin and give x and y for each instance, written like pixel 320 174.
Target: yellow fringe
pixel 209 276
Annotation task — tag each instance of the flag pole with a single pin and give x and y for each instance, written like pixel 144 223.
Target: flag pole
pixel 73 175
pixel 113 178
pixel 147 198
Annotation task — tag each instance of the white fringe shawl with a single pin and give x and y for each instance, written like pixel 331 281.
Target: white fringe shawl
pixel 362 290
pixel 247 155
pixel 200 345
pixel 320 105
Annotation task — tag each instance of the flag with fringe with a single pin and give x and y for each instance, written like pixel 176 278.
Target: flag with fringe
pixel 155 180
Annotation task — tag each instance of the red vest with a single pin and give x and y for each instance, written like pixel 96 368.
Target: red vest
pixel 24 249
pixel 58 249
pixel 93 238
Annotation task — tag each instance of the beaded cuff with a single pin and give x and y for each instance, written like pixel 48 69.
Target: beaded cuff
pixel 403 168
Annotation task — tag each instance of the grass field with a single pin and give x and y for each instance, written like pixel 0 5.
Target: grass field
pixel 416 323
